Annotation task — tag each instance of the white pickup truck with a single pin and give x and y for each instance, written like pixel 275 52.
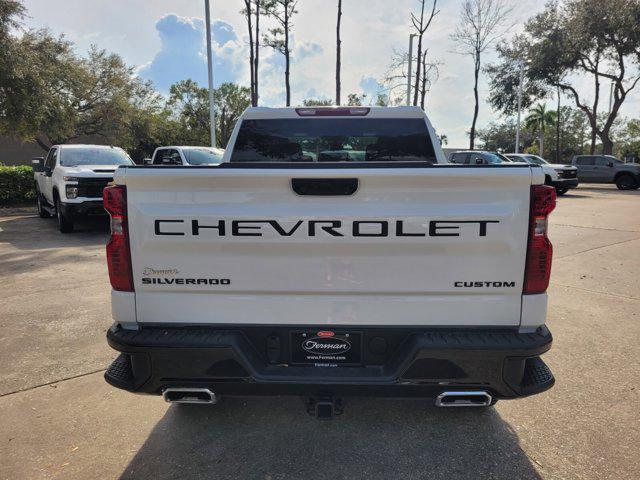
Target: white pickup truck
pixel 69 181
pixel 333 253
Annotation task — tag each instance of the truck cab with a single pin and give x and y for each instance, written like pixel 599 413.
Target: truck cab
pixel 70 179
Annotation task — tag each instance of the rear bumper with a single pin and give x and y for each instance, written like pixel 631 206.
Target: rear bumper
pixel 566 183
pixel 83 209
pixel 417 362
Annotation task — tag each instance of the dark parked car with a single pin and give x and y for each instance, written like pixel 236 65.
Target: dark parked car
pixel 607 169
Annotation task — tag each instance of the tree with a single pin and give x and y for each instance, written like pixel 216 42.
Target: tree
pixel 421 27
pixel 52 96
pixel 628 140
pixel 317 102
pixel 277 38
pixel 189 106
pixel 538 120
pixel 256 91
pixel 573 132
pixel 430 74
pixel 382 100
pixel 587 37
pixel 248 12
pixel 574 129
pixel 355 100
pixel 253 8
pixel 504 78
pixel 35 71
pixel 148 126
pixel 230 101
pixel 34 68
pixel 11 13
pixel 502 136
pixel 395 79
pixel 338 52
pixel 482 22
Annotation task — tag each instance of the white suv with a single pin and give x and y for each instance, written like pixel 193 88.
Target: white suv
pixel 70 179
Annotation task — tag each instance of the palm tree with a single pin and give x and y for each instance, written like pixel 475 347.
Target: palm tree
pixel 538 120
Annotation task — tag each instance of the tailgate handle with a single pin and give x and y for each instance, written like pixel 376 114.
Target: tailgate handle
pixel 324 186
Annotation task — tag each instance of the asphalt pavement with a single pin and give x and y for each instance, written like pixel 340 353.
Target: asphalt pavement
pixel 59 419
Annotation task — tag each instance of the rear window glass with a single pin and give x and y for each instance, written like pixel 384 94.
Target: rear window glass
pixel 94 156
pixel 333 140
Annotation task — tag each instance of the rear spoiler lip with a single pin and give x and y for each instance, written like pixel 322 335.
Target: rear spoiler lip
pixel 324 165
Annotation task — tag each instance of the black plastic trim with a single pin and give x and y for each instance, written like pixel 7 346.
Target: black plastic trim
pixel 494 360
pixel 566 183
pixel 82 209
pixel 324 186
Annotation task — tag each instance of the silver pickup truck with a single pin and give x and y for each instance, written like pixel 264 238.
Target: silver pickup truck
pixel 607 169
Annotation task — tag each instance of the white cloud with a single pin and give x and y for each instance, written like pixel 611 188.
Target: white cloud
pixel 371 30
pixel 182 52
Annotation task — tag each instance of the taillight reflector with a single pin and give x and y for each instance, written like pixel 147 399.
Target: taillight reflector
pixel 539 248
pixel 118 251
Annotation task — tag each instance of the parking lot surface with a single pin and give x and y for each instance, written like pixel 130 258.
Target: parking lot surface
pixel 59 419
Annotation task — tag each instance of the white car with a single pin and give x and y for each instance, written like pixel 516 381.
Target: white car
pixel 70 179
pixel 562 177
pixel 186 156
pixel 334 252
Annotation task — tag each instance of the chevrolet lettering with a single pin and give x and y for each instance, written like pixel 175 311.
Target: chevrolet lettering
pixel 312 228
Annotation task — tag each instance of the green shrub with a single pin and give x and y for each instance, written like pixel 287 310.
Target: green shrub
pixel 16 185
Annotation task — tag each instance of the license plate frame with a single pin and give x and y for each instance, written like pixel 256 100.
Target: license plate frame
pixel 324 348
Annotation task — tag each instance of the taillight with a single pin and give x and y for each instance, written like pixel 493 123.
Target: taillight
pixel 539 248
pixel 118 253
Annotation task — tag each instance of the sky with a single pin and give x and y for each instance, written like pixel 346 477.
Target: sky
pixel 165 40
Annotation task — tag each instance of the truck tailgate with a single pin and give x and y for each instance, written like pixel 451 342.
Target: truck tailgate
pixel 439 246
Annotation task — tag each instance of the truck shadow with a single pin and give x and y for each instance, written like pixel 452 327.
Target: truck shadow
pixel 34 233
pixel 30 243
pixel 275 439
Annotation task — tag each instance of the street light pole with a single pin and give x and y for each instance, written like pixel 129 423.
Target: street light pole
pixel 212 117
pixel 409 68
pixel 519 106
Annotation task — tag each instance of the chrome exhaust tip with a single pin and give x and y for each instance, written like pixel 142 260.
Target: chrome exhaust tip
pixel 464 399
pixel 189 395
